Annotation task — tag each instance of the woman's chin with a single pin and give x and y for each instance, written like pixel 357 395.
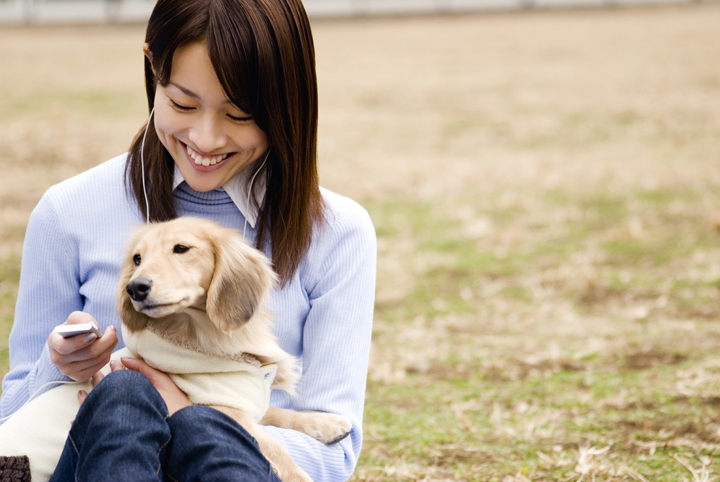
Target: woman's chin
pixel 202 178
pixel 203 186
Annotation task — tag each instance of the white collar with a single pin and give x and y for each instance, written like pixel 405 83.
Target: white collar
pixel 237 189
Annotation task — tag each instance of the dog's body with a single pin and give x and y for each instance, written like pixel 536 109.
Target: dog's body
pixel 200 287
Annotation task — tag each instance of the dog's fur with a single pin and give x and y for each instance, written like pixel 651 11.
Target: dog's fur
pixel 208 289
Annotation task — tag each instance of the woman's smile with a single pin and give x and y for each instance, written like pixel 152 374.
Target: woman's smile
pixel 205 162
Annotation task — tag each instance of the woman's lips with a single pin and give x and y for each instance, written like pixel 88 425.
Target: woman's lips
pixel 203 162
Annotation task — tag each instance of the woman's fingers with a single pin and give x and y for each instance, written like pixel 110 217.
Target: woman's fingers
pixel 174 398
pixel 83 370
pixel 65 346
pixel 81 347
pixel 79 359
pixel 142 367
pixel 97 378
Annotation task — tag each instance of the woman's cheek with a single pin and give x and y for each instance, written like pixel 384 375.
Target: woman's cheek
pixel 165 126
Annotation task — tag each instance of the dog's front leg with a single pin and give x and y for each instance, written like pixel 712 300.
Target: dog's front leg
pixel 281 462
pixel 326 427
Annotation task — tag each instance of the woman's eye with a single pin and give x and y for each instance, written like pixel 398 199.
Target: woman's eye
pixel 137 259
pixel 242 119
pixel 180 249
pixel 180 107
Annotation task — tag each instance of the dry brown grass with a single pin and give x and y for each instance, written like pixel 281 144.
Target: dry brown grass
pixel 545 189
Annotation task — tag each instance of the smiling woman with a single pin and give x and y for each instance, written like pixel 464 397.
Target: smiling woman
pixel 231 137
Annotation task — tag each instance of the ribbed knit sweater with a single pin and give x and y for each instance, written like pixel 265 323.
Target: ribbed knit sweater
pixel 71 260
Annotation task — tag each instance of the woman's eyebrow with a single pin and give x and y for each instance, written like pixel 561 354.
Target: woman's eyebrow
pixel 185 91
pixel 190 93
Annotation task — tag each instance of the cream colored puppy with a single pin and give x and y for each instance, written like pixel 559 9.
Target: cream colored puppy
pixel 191 295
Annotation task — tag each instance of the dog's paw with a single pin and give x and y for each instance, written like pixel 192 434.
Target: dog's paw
pixel 300 476
pixel 328 428
pixel 291 473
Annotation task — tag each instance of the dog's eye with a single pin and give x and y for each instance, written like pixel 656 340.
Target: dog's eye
pixel 137 259
pixel 180 249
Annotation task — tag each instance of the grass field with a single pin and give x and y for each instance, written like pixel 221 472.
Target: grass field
pixel 545 188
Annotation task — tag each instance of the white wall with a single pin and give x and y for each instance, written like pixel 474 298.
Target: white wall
pixel 92 11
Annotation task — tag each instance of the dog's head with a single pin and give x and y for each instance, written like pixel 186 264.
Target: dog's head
pixel 192 263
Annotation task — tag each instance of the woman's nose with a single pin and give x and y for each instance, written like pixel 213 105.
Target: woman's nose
pixel 207 134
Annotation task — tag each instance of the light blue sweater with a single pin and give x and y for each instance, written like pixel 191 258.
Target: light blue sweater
pixel 71 260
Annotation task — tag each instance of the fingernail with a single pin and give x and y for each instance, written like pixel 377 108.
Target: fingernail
pixel 113 363
pixel 95 324
pixel 89 337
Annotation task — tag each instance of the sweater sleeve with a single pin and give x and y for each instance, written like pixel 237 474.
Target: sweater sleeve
pixel 48 293
pixel 336 345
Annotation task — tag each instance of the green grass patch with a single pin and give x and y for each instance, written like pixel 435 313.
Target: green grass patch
pixel 96 103
pixel 9 278
pixel 555 359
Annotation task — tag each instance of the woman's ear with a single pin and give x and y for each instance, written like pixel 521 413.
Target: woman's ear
pixel 149 58
pixel 146 51
pixel 241 280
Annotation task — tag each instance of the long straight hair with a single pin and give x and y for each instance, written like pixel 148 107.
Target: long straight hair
pixel 262 52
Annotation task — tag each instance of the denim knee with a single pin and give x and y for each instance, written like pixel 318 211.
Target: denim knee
pixel 119 433
pixel 127 386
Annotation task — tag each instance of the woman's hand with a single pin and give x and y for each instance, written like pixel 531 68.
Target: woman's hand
pixel 97 378
pixel 80 357
pixel 175 399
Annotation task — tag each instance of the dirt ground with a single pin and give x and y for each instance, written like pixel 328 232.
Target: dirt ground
pixel 426 108
pixel 545 189
pixel 412 107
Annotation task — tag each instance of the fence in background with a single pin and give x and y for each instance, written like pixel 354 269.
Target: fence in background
pixel 122 11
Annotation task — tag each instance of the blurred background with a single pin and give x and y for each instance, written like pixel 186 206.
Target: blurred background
pixel 543 178
pixel 59 11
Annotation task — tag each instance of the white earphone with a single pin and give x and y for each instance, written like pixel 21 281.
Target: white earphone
pixel 251 185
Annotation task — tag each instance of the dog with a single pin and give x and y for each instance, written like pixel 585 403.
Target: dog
pixel 199 290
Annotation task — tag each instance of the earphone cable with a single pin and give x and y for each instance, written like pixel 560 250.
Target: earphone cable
pixel 252 181
pixel 142 166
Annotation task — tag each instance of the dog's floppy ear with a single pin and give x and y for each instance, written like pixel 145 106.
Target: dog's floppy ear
pixel 133 320
pixel 241 280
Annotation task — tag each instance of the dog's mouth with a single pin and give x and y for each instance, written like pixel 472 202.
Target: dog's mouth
pixel 151 309
pixel 156 306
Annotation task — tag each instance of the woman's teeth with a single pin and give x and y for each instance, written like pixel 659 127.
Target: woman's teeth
pixel 204 161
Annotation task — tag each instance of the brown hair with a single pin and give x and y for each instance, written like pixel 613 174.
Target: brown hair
pixel 263 54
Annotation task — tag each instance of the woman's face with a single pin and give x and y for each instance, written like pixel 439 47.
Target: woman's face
pixel 210 139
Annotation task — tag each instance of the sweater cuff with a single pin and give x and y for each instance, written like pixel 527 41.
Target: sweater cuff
pixel 46 373
pixel 15 468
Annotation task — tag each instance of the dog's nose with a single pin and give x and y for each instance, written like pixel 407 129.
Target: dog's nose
pixel 139 288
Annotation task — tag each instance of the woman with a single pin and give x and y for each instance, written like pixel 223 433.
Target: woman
pixel 231 137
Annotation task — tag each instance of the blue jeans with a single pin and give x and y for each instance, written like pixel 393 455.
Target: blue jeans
pixel 123 433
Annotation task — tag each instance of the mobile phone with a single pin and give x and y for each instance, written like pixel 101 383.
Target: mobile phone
pixel 66 331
